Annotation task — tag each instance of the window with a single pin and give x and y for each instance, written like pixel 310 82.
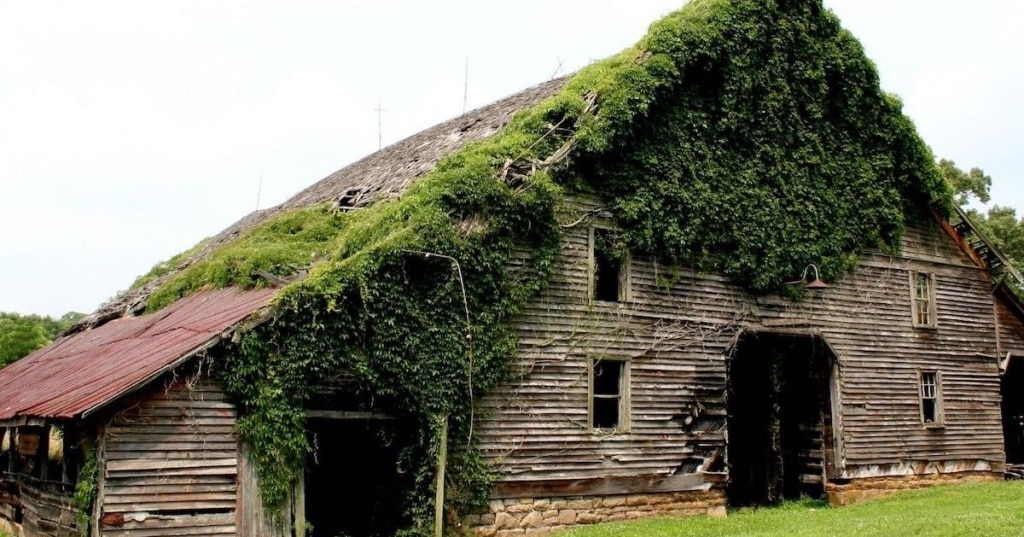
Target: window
pixel 609 394
pixel 609 275
pixel 42 452
pixel 923 289
pixel 931 399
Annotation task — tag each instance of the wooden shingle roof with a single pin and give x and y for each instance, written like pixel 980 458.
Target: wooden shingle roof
pixel 383 174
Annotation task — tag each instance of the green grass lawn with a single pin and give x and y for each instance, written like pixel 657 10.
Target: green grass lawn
pixel 975 510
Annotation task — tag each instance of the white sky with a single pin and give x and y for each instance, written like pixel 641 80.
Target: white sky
pixel 131 130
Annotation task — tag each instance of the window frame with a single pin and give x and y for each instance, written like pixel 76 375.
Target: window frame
pixel 932 315
pixel 625 421
pixel 940 419
pixel 625 269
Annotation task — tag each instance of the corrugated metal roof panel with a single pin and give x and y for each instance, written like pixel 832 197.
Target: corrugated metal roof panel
pixel 85 371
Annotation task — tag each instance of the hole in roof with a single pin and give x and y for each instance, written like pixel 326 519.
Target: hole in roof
pixel 349 199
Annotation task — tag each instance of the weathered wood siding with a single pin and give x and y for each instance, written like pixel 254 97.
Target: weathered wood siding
pixel 675 332
pixel 47 511
pixel 1011 331
pixel 254 518
pixel 867 319
pixel 170 463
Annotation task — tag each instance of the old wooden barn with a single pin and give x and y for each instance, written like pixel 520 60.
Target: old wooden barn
pixel 637 385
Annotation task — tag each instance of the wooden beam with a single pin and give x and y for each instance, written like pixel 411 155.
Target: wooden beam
pixel 347 415
pixel 601 486
pixel 43 454
pixel 22 422
pixel 442 461
pixel 299 507
pixel 12 450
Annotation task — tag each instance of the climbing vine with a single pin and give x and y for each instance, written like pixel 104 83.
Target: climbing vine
pixel 85 489
pixel 747 137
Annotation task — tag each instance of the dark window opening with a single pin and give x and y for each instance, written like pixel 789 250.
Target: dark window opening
pixel 609 267
pixel 930 398
pixel 608 402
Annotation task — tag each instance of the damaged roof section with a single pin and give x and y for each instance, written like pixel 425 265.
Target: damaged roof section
pixel 81 373
pixel 380 175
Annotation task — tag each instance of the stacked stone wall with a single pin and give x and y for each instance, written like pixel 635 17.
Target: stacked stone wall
pixel 860 489
pixel 532 516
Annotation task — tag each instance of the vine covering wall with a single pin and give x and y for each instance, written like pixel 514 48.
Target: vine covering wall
pixel 747 137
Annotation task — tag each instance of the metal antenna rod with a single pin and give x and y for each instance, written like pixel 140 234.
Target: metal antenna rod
pixel 469 328
pixel 259 191
pixel 558 69
pixel 380 131
pixel 465 87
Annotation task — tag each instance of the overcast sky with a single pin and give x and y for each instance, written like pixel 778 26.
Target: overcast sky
pixel 131 130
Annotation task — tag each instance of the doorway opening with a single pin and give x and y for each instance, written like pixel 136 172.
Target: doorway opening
pixel 1012 384
pixel 352 480
pixel 779 418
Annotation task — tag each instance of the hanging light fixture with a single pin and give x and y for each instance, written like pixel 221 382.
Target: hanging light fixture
pixel 816 283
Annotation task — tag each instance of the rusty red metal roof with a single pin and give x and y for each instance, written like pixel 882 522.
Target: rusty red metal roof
pixel 83 372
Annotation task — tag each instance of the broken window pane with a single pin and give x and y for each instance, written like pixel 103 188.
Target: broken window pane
pixel 924 313
pixel 608 394
pixel 606 413
pixel 607 376
pixel 930 397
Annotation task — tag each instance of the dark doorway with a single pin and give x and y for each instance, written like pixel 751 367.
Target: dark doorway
pixel 352 477
pixel 780 418
pixel 1013 410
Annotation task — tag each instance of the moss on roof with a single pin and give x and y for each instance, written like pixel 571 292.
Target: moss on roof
pixel 746 136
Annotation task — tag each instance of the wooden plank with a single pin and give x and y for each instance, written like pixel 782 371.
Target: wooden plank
pixel 252 516
pixel 599 486
pixel 347 415
pixel 171 455
pixel 47 512
pixel 169 497
pixel 166 464
pixel 178 521
pixel 158 506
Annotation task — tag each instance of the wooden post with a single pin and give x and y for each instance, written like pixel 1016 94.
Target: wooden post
pixel 300 505
pixel 101 469
pixel 12 450
pixel 4 438
pixel 43 453
pixel 8 433
pixel 442 459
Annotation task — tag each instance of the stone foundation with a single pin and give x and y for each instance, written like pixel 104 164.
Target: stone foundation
pixel 529 516
pixel 866 488
pixel 6 526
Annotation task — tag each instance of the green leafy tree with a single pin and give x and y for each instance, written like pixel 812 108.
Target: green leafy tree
pixel 966 184
pixel 19 336
pixel 22 334
pixel 1003 227
pixel 999 223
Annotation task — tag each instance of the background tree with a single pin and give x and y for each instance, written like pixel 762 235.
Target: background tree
pixel 23 334
pixel 1003 227
pixel 1000 224
pixel 966 184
